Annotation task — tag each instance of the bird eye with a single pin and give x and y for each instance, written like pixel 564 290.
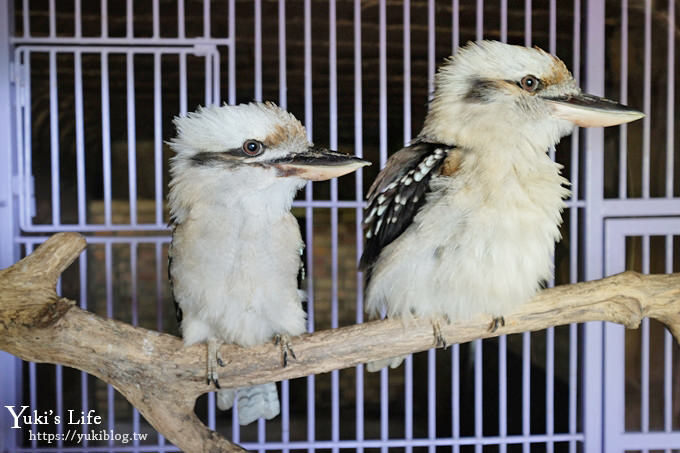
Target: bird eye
pixel 529 83
pixel 252 147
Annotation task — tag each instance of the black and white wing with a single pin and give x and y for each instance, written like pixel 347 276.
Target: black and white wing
pixel 397 194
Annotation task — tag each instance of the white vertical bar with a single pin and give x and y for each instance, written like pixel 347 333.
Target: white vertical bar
pixel 647 100
pixel 455 395
pixel 80 138
pixel 431 29
pixel 644 360
pixel 53 19
pixel 550 386
pixel 104 11
pixel 358 149
pixel 383 80
pixel 479 24
pixel 131 137
pixel 431 399
pixel 207 83
pixel 180 20
pixel 668 352
pixel 129 25
pixel 78 20
pixel 504 38
pixel 479 415
pixel 526 389
pixel 527 22
pixel 283 87
pixel 182 84
pixel 54 140
pixel 503 391
pixel 258 50
pixel 232 54
pixel 623 95
pixel 206 19
pixel 553 27
pixel 25 15
pixel 157 136
pixel 573 383
pixel 455 26
pixel 156 19
pixel 407 70
pixel 670 102
pixel 106 137
pixel 592 417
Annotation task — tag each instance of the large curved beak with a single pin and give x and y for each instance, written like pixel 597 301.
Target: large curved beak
pixel 318 164
pixel 586 110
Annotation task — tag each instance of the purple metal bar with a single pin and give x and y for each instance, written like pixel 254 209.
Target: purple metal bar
pixel 382 58
pixel 155 13
pixel 104 11
pixel 134 309
pixel 131 136
pixel 309 219
pixel 182 84
pixel 333 114
pixel 232 53
pixel 180 20
pixel 54 141
pixel 431 29
pixel 52 19
pixel 526 388
pixel 527 23
pixel 358 149
pixel 257 49
pixel 647 100
pixel 479 415
pixel 406 44
pixel 106 137
pixel 77 19
pixel 670 103
pixel 408 400
pixel 157 133
pixel 455 25
pixel 623 95
pixel 108 260
pixel 129 24
pixel 503 389
pixel 644 362
pixel 431 398
pixel 25 15
pixel 668 352
pixel 455 396
pixel 80 138
pixel 553 27
pixel 206 19
pixel 479 23
pixel 504 20
pixel 591 408
pixel 84 402
pixel 283 87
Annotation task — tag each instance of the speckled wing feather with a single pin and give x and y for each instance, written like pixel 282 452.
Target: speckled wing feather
pixel 397 194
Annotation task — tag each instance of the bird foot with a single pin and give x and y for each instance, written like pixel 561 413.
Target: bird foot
pixel 283 341
pixel 497 321
pixel 439 340
pixel 214 360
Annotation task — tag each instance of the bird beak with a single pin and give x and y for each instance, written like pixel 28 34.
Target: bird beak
pixel 318 164
pixel 586 110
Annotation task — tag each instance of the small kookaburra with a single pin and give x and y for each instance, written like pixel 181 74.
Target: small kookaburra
pixel 464 220
pixel 236 248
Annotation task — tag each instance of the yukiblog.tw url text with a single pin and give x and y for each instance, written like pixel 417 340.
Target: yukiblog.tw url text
pixel 73 435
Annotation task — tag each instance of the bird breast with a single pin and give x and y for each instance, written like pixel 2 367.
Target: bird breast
pixel 235 277
pixel 482 243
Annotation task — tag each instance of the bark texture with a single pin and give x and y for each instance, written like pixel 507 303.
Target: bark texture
pixel 163 379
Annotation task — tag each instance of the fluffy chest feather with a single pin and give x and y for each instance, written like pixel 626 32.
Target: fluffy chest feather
pixel 234 273
pixel 482 242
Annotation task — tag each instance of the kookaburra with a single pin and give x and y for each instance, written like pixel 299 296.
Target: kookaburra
pixel 236 248
pixel 464 220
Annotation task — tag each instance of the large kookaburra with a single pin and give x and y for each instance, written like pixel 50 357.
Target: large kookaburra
pixel 464 220
pixel 235 252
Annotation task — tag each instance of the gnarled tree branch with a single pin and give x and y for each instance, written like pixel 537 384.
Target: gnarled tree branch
pixel 162 378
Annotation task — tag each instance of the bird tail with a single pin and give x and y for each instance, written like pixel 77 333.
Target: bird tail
pixel 252 402
pixel 380 364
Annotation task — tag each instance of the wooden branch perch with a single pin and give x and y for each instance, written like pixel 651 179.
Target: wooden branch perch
pixel 162 379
